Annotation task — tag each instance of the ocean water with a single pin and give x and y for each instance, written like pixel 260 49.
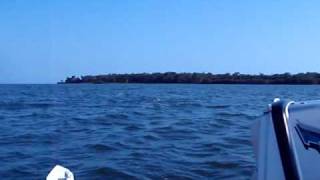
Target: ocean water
pixel 134 131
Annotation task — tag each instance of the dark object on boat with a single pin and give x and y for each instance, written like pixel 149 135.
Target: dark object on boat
pixel 309 137
pixel 287 141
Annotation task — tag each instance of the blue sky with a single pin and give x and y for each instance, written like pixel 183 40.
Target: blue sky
pixel 45 41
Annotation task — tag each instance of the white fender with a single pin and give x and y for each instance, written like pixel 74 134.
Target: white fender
pixel 60 173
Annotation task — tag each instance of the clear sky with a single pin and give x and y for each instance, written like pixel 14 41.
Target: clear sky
pixel 44 41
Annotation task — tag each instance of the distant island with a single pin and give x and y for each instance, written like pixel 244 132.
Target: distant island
pixel 198 78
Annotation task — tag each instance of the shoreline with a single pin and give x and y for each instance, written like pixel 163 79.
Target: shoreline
pixel 166 84
pixel 310 78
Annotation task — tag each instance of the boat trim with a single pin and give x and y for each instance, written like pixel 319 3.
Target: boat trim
pixel 280 117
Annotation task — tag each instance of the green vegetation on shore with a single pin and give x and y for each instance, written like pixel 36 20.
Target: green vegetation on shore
pixel 199 78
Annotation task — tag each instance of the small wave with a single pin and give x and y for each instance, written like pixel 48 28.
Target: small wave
pixel 24 138
pixel 28 138
pixel 203 172
pixel 218 106
pixel 223 165
pixel 117 116
pixel 231 115
pixel 100 148
pixel 207 147
pixel 236 140
pixel 162 130
pixel 138 113
pixel 17 105
pixel 18 155
pixel 150 137
pixel 133 127
pixel 37 115
pixel 200 154
pixel 175 134
pixel 137 155
pixel 217 125
pixel 96 106
pixel 221 122
pixel 79 118
pixel 121 145
pixel 41 105
pixel 109 119
pixel 102 172
pixel 20 172
pixel 175 176
pixel 185 104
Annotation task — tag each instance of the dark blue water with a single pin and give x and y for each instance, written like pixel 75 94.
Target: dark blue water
pixel 134 131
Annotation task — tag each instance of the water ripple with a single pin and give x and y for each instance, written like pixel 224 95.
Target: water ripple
pixel 133 131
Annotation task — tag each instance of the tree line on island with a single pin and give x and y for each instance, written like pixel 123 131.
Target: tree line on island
pixel 199 78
